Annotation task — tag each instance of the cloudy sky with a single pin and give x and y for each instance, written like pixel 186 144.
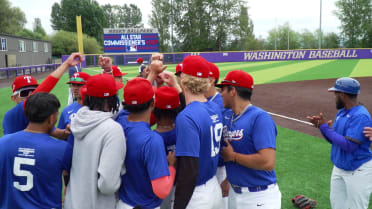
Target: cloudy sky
pixel 265 14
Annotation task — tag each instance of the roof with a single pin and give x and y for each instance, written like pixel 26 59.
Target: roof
pixel 20 37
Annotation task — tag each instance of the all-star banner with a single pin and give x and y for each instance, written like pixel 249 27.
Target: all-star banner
pixel 130 40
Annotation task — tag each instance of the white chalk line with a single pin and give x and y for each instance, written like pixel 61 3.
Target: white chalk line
pixel 289 118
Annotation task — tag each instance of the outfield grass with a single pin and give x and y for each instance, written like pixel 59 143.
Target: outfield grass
pixel 303 163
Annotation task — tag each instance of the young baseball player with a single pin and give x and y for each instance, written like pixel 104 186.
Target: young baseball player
pixel 199 130
pixel 31 162
pixel 351 184
pixel 99 148
pixel 118 75
pixel 14 120
pixel 250 136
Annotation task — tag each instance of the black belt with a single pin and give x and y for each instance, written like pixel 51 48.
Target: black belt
pixel 238 189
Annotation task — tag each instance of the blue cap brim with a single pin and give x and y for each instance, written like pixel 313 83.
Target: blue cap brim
pixel 333 89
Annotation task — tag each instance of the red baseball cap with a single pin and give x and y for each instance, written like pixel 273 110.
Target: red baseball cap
pixel 195 66
pixel 138 91
pixel 237 78
pixel 178 69
pixel 167 98
pixel 139 60
pixel 79 78
pixel 102 85
pixel 23 81
pixel 83 92
pixel 116 71
pixel 214 71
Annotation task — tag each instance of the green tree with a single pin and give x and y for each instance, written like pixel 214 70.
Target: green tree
pixel 30 34
pixel 12 19
pixel 130 16
pixel 160 19
pixel 356 22
pixel 38 28
pixel 331 41
pixel 63 17
pixel 243 31
pixel 111 14
pixel 308 40
pixel 282 38
pixel 64 42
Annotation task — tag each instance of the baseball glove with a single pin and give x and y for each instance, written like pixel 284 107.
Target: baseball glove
pixel 303 202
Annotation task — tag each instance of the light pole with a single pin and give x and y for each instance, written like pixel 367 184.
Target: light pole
pixel 320 25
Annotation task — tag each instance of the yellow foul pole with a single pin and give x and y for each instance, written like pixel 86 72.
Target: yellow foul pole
pixel 79 34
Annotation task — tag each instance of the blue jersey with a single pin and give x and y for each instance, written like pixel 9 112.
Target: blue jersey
pixel 145 161
pixel 253 131
pixel 15 119
pixel 169 139
pixel 350 123
pixel 65 118
pixel 31 167
pixel 199 131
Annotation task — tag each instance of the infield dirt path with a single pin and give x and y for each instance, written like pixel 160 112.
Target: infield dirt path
pixel 302 98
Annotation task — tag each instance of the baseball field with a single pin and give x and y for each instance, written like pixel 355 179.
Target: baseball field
pixel 291 90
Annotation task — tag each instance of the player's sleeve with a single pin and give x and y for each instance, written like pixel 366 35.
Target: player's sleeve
pixel 187 132
pixel 62 121
pixel 335 138
pixel 264 134
pixel 354 131
pixel 155 159
pixel 67 158
pixel 111 164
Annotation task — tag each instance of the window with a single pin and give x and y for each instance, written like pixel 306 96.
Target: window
pixel 22 46
pixel 3 45
pixel 45 47
pixel 34 46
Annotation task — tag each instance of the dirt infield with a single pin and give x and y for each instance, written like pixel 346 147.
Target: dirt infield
pixel 302 98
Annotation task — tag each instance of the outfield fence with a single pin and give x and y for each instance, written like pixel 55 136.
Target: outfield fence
pixel 6 73
pixel 91 60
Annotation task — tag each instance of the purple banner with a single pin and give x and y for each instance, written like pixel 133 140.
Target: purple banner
pixel 285 55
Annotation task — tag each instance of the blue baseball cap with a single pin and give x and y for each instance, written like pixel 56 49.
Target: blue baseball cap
pixel 346 85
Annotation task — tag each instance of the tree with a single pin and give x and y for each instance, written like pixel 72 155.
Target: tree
pixel 64 42
pixel 63 17
pixel 243 31
pixel 160 19
pixel 282 38
pixel 38 28
pixel 111 14
pixel 130 16
pixel 30 34
pixel 331 41
pixel 356 21
pixel 12 19
pixel 308 40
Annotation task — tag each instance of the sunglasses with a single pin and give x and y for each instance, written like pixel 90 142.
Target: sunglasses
pixel 24 92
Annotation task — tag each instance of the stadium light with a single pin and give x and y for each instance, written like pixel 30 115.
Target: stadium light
pixel 320 25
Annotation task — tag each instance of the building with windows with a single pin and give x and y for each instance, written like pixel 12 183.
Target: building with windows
pixel 18 51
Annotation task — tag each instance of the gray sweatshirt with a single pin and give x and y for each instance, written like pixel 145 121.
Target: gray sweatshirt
pixel 97 161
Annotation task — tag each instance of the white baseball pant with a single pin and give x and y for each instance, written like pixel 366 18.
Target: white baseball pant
pixel 351 189
pixel 266 199
pixel 123 205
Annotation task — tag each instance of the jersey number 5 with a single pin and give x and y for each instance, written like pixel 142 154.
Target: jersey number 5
pixel 216 134
pixel 17 171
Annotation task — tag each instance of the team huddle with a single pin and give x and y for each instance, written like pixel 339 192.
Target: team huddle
pixel 210 149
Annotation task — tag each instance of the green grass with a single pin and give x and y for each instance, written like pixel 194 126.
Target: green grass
pixel 303 163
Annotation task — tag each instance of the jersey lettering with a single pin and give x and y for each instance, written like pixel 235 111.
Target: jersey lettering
pixel 17 171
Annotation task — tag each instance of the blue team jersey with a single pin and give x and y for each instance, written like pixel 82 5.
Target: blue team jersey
pixel 15 119
pixel 169 139
pixel 65 118
pixel 199 131
pixel 253 131
pixel 31 167
pixel 350 123
pixel 145 161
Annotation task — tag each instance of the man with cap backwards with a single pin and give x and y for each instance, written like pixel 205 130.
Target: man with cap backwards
pixel 199 131
pixel 15 120
pixel 148 178
pixel 250 136
pixel 351 184
pixel 31 162
pixel 99 148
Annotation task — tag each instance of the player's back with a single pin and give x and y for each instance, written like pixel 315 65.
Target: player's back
pixel 15 119
pixel 31 167
pixel 199 130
